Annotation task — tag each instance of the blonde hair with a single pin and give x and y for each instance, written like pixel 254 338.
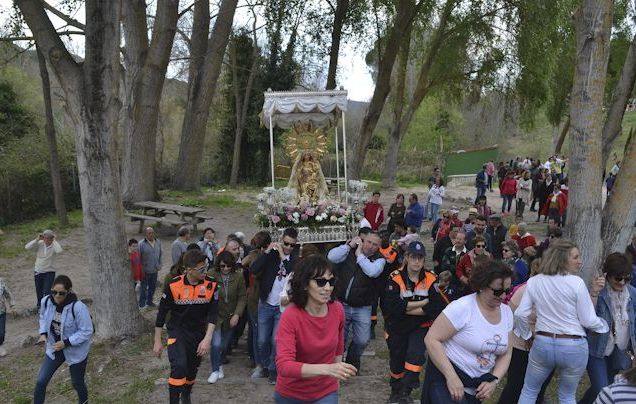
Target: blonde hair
pixel 535 267
pixel 555 259
pixel 444 276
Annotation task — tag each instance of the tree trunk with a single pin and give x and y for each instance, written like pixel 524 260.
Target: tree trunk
pixel 620 98
pixel 403 21
pixel 393 146
pixel 200 94
pixel 146 67
pixel 339 17
pixel 619 214
pixel 562 134
pixel 92 94
pixel 593 23
pixel 242 108
pixel 49 129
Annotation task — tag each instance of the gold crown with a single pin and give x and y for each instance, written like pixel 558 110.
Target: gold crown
pixel 303 137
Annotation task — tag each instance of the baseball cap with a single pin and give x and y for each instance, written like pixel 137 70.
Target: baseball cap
pixel 472 210
pixel 416 248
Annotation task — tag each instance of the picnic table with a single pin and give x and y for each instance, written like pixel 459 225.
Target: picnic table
pixel 157 211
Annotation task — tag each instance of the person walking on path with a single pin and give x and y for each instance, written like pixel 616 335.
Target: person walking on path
pixel 150 251
pixel 524 194
pixel 66 330
pixel 436 196
pixel 508 191
pixel 6 298
pixel 481 182
pixel 396 212
pixel 180 244
pixel 47 249
pixel 414 215
pixel 490 170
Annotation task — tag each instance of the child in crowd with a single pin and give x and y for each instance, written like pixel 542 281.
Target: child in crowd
pixel 5 295
pixel 411 236
pixel 135 262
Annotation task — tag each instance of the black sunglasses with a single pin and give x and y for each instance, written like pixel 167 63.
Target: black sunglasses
pixel 499 292
pixel 60 293
pixel 480 245
pixel 322 282
pixel 626 278
pixel 289 244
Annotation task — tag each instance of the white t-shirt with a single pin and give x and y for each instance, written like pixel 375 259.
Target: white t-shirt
pixel 477 343
pixel 273 298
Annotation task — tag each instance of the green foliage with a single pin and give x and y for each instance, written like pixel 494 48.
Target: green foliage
pixel 15 120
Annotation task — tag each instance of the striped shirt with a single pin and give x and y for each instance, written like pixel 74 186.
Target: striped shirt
pixel 619 392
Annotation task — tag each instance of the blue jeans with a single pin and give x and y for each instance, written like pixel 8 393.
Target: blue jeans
pixel 507 199
pixel 481 191
pixel 147 289
pixel 568 356
pixel 359 320
pixel 601 374
pixel 43 285
pixel 268 317
pixel 220 341
pixel 3 320
pixel 434 212
pixel 252 336
pixel 331 398
pixel 49 366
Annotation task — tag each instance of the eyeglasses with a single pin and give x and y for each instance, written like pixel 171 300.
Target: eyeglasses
pixel 480 245
pixel 289 244
pixel 499 292
pixel 322 282
pixel 59 293
pixel 505 250
pixel 203 269
pixel 626 278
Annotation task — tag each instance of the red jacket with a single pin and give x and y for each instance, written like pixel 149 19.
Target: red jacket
pixel 374 213
pixel 527 240
pixel 135 266
pixel 509 186
pixel 562 201
pixel 465 264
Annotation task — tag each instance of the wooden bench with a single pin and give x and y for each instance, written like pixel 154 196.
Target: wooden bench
pixel 142 219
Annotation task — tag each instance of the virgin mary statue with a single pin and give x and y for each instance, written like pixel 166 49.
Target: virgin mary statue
pixel 305 146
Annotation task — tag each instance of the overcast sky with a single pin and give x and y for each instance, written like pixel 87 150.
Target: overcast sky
pixel 353 74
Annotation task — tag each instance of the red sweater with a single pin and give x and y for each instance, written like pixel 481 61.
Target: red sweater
pixel 374 213
pixel 527 240
pixel 509 186
pixel 135 266
pixel 302 338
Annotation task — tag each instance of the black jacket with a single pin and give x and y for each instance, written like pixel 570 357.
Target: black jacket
pixel 265 270
pixel 497 236
pixel 361 288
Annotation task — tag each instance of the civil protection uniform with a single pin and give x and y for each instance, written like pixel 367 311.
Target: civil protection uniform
pixel 191 308
pixel 405 333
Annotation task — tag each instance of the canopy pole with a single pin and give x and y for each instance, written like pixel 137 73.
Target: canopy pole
pixel 271 148
pixel 344 143
pixel 337 163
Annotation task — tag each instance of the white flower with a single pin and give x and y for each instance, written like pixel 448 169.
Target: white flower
pixel 319 218
pixel 333 218
pixel 296 215
pixel 342 219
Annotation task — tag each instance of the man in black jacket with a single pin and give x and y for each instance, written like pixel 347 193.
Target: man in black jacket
pixel 497 232
pixel 358 263
pixel 270 270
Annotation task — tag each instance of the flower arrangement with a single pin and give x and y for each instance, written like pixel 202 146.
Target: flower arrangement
pixel 277 208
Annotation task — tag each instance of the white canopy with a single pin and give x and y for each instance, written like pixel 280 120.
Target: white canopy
pixel 287 107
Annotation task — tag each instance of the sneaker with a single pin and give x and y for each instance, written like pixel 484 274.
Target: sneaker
pixel 271 379
pixel 257 373
pixel 221 374
pixel 214 377
pixel 3 352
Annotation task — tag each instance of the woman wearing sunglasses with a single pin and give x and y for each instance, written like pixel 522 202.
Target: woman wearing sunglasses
pixel 232 300
pixel 612 352
pixel 66 329
pixel 310 338
pixel 564 310
pixel 512 256
pixel 468 343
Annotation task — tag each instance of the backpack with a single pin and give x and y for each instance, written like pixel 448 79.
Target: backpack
pixel 46 305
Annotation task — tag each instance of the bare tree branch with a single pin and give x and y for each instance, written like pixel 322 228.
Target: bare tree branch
pixel 30 38
pixel 69 20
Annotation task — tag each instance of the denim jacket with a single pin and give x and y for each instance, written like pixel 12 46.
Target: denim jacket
pixel 598 342
pixel 78 330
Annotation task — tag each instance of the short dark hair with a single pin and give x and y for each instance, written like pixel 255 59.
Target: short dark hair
pixel 364 231
pixel 64 281
pixel 487 271
pixel 313 266
pixel 132 241
pixel 193 257
pixel 183 231
pixel 227 257
pixel 399 222
pixel 376 193
pixel 193 246
pixel 617 264
pixel 209 228
pixel 481 217
pixel 414 196
pixel 291 232
pixel 262 239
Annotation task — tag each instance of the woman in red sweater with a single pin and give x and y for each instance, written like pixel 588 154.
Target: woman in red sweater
pixel 508 191
pixel 310 338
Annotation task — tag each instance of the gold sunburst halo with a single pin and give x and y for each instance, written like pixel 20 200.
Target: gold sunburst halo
pixel 303 137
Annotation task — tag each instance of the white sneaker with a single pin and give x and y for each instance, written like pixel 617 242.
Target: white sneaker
pixel 221 374
pixel 3 352
pixel 214 377
pixel 257 373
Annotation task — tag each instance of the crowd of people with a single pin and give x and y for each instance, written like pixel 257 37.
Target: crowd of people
pixel 492 305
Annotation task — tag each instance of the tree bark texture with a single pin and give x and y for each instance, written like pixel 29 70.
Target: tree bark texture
pixel 92 96
pixel 403 20
pixel 146 65
pixel 49 129
pixel 562 135
pixel 200 94
pixel 593 22
pixel 614 121
pixel 339 17
pixel 619 214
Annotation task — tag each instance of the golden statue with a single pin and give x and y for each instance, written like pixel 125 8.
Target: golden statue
pixel 305 146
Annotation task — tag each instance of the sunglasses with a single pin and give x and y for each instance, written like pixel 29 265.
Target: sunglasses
pixel 203 269
pixel 480 245
pixel 499 292
pixel 289 244
pixel 626 278
pixel 59 293
pixel 505 250
pixel 322 282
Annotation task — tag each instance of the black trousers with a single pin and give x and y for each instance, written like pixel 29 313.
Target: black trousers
pixel 515 377
pixel 184 361
pixel 406 358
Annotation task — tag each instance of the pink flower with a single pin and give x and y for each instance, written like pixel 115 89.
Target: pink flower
pixel 310 212
pixel 289 216
pixel 275 219
pixel 341 211
pixel 304 217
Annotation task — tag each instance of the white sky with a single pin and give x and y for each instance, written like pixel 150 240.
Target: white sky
pixel 353 74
